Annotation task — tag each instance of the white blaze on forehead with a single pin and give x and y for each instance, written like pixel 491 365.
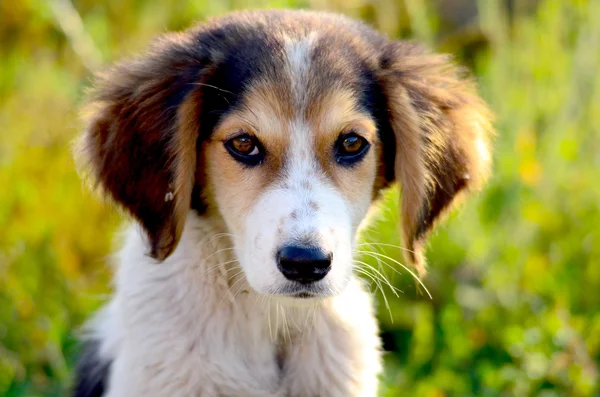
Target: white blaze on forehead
pixel 301 161
pixel 298 57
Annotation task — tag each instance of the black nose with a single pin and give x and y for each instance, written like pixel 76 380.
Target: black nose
pixel 303 264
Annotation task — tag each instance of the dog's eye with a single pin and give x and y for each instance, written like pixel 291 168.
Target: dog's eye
pixel 351 148
pixel 245 149
pixel 352 144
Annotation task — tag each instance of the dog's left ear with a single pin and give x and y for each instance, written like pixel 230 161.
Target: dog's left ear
pixel 441 128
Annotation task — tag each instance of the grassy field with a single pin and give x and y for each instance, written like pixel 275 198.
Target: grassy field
pixel 515 275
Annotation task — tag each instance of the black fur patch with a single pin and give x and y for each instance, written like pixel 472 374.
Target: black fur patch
pixel 91 373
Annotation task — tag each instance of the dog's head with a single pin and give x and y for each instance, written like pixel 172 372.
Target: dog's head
pixel 286 125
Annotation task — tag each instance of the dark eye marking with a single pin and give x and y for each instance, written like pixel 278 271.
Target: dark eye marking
pixel 350 148
pixel 246 149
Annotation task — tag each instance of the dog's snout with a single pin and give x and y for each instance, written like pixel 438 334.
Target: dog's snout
pixel 303 264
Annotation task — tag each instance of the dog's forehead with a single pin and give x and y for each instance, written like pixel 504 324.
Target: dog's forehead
pixel 300 67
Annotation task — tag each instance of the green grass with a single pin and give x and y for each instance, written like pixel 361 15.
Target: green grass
pixel 514 275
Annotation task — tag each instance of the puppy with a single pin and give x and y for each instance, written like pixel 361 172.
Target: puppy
pixel 249 150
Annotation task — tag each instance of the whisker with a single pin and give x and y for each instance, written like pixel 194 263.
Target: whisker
pixel 256 299
pixel 212 86
pixel 276 318
pixel 295 324
pixel 307 317
pixel 237 274
pixel 240 289
pixel 203 242
pixel 216 252
pixel 286 326
pixel 216 236
pixel 382 277
pixel 373 277
pixel 229 292
pixel 373 254
pixel 379 264
pixel 212 268
pixel 387 245
pixel 269 321
pixel 379 286
pixel 221 235
pixel 379 280
pixel 236 281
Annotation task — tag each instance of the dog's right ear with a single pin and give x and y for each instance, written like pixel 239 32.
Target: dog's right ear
pixel 141 128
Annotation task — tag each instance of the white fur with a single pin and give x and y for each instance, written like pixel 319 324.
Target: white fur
pixel 190 326
pixel 297 55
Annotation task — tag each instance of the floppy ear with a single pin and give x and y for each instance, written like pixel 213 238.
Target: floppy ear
pixel 140 138
pixel 441 128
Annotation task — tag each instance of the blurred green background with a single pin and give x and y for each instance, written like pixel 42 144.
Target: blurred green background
pixel 515 275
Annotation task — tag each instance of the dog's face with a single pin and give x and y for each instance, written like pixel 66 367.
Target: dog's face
pixel 292 182
pixel 286 125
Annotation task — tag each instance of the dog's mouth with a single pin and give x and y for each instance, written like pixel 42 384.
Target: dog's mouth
pixel 304 295
pixel 302 292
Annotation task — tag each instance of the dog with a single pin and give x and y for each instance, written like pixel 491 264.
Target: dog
pixel 249 150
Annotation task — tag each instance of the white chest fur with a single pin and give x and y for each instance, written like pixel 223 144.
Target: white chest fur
pixel 191 327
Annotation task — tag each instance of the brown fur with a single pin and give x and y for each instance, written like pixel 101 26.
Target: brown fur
pixel 441 127
pixel 260 111
pixel 141 151
pixel 336 112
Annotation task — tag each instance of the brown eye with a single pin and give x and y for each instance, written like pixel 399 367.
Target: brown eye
pixel 246 149
pixel 244 145
pixel 350 149
pixel 353 144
